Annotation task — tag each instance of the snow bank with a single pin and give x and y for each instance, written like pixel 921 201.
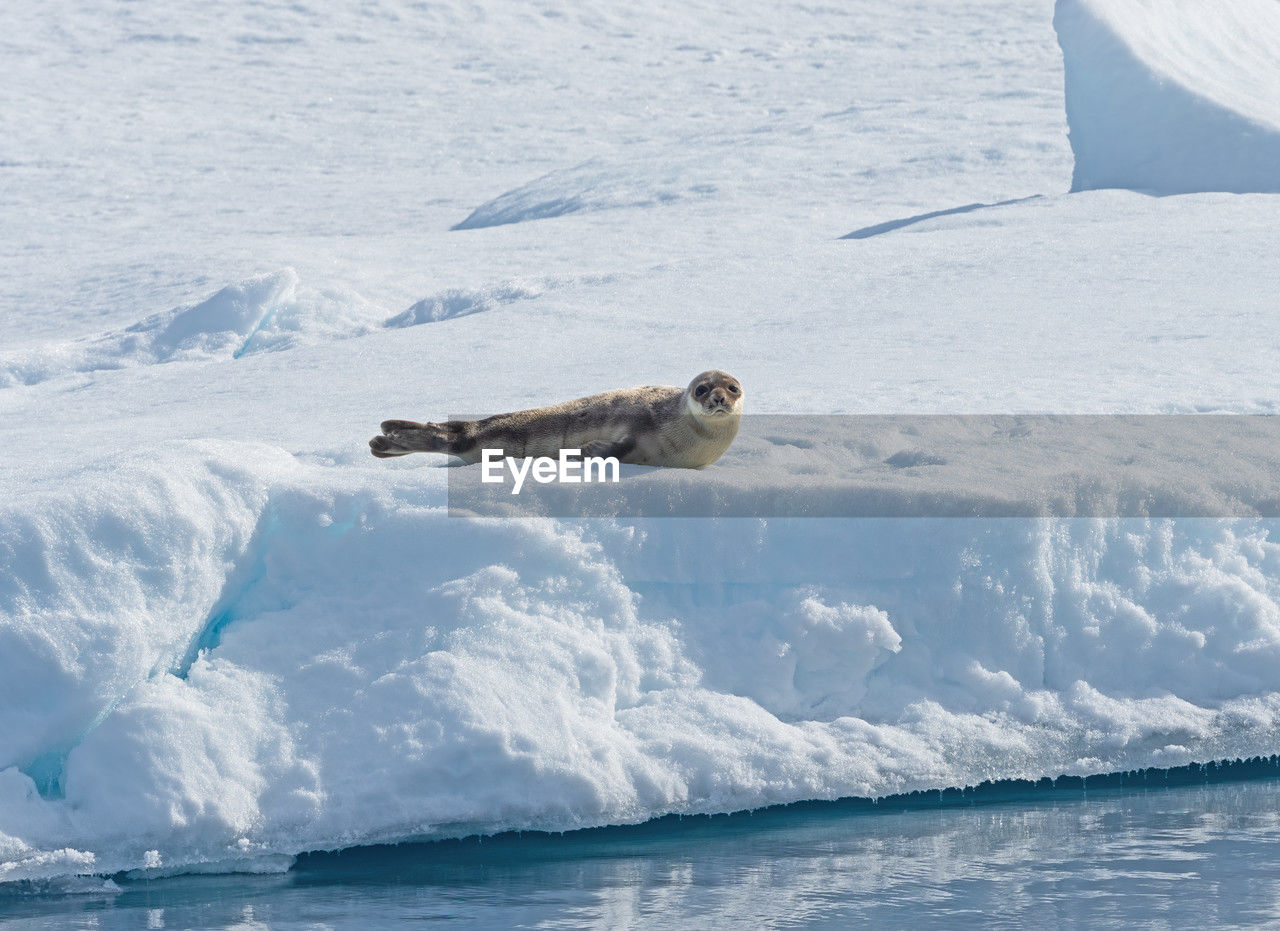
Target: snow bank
pixel 1172 96
pixel 217 656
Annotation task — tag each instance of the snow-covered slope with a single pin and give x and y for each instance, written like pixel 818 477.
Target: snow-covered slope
pixel 227 634
pixel 1173 96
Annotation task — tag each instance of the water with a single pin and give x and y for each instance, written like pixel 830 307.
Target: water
pixel 1172 857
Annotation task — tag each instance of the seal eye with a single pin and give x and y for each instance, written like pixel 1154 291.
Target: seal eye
pixel 733 389
pixel 700 391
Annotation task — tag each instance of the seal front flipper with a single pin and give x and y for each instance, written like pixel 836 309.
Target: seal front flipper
pixel 605 449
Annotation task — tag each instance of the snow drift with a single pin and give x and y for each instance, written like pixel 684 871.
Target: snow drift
pixel 1172 96
pixel 593 186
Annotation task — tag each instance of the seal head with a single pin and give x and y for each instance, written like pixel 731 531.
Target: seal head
pixel 714 394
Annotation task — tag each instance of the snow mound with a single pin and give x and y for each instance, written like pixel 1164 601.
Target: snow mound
pixel 461 303
pixel 216 656
pixel 593 185
pixel 260 314
pixel 225 323
pixel 266 313
pixel 1172 96
pixel 219 326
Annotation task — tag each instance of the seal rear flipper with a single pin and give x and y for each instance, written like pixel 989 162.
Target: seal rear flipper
pixel 401 437
pixel 382 447
pixel 392 426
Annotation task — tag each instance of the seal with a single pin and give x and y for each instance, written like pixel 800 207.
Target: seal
pixel 654 425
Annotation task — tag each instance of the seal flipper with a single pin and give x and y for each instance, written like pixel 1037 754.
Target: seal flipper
pixel 382 447
pixel 604 449
pixel 393 426
pixel 401 437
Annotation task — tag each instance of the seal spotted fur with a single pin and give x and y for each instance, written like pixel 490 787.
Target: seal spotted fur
pixel 652 425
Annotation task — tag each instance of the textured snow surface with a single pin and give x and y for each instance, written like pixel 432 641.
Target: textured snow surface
pixel 228 635
pixel 228 654
pixel 1173 96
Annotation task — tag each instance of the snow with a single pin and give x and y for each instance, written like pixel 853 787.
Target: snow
pixel 1172 96
pixel 229 635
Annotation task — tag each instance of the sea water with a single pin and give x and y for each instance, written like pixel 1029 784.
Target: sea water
pixel 1166 857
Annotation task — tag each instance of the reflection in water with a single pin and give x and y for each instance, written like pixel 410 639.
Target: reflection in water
pixel 1206 854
